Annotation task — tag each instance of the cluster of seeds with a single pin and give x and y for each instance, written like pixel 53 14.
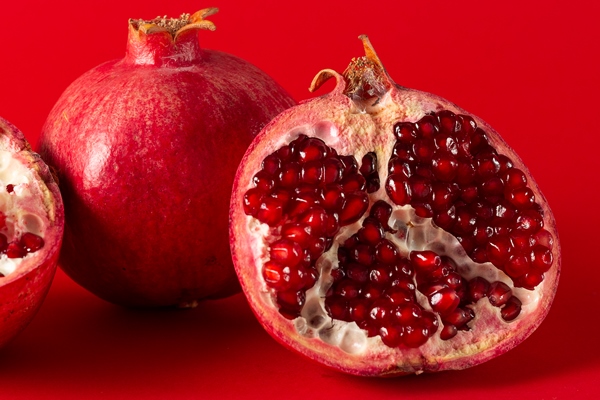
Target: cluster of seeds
pixel 19 248
pixel 376 287
pixel 445 168
pixel 307 192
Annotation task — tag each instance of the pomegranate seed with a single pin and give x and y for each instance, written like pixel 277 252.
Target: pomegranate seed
pixel 363 254
pixel 252 200
pixel 333 197
pixel 541 259
pixel 286 252
pixel 465 173
pixel 337 308
pixel 521 241
pixel 386 252
pixel 544 238
pixel 371 232
pixel 315 219
pixel 270 211
pixel 482 233
pixel 398 189
pixel 522 198
pixel 428 126
pixel 369 164
pixel 498 293
pixel 397 166
pixel 415 336
pixel 467 126
pixel 398 295
pixel 444 301
pixel 391 335
pixel 445 168
pixel 446 144
pixel 529 221
pixel 425 260
pixel 517 265
pixel 296 233
pixel 333 169
pixel 403 153
pixel 355 206
pixel 379 275
pixel 271 164
pixel 530 280
pixel 499 250
pixel 493 187
pixel 448 332
pixel 445 219
pixel 460 317
pixel 350 165
pixel 312 149
pixel 312 172
pixel 358 310
pixel 289 176
pixel 448 122
pixel 347 289
pixel 407 313
pixel 424 149
pixel 357 272
pixel 353 183
pixel 511 309
pixel 478 289
pixel 291 300
pixel 380 312
pixel 469 193
pixel 382 211
pixel 371 292
pixel 405 132
pixel 514 179
pixel 479 141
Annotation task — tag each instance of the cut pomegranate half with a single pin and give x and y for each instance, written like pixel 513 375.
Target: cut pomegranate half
pixel 381 230
pixel 31 228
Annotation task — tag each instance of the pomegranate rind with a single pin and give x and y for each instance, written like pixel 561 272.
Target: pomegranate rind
pixel 23 291
pixel 146 149
pixel 355 126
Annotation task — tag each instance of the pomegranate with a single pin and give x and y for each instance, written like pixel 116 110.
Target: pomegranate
pixel 381 230
pixel 31 228
pixel 146 149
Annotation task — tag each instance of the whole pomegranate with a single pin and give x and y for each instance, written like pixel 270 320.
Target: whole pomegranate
pixel 31 229
pixel 146 150
pixel 381 230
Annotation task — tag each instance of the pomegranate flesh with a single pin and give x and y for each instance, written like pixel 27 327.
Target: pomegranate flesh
pixel 381 230
pixel 146 150
pixel 31 229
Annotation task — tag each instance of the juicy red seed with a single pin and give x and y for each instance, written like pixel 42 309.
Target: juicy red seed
pixel 333 197
pixel 289 176
pixel 382 211
pixel 379 275
pixel 347 289
pixel 467 125
pixel 358 310
pixel 312 172
pixel 408 313
pixel 517 265
pixel 369 164
pixel 469 193
pixel 448 121
pixel 263 180
pixel 425 260
pixel 399 296
pixel 371 292
pixel 445 168
pixel 444 301
pixel 541 259
pixel 271 164
pixel 478 288
pixel 337 307
pixel 286 252
pixel 499 250
pixel 479 141
pixel 514 179
pixel 10 188
pixel 479 255
pixel 482 233
pixel 487 167
pixel 424 149
pixel 353 183
pixel 403 153
pixel 296 233
pixel 15 250
pixel 398 189
pixel 337 274
pixel 445 219
pixel 465 222
pixel 355 206
pixel 465 173
pixel 386 252
pixel 291 299
pixel 315 219
pixel 521 241
pixel 446 144
pixel 493 187
pixel 530 280
pixel 415 336
pixel 544 238
pixel 397 166
pixel 420 188
pixel 357 272
pixel 448 332
pixel 380 312
pixel 350 164
pixel 274 274
pixel 522 198
pixel 270 211
pixel 428 126
pixel 333 169
pixel 459 317
pixel 405 132
pixel 443 196
pixel 316 247
pixel 498 293
pixel 312 149
pixel 371 232
pixel 511 309
pixel 529 221
pixel 301 203
pixel 363 254
pixel 252 201
pixel 423 210
pixel 391 336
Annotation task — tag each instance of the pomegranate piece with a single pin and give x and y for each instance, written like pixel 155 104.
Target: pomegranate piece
pixel 430 245
pixel 146 149
pixel 31 229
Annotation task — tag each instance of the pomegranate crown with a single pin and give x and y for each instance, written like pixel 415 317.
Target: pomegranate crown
pixel 364 78
pixel 174 27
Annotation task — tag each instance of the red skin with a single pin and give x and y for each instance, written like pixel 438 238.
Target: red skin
pixel 146 150
pixel 23 291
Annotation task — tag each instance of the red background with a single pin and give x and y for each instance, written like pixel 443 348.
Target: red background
pixel 528 68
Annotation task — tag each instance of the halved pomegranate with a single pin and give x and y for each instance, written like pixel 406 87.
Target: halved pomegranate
pixel 381 230
pixel 31 228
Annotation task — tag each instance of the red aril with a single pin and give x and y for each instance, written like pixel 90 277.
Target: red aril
pixel 31 229
pixel 445 253
pixel 146 149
